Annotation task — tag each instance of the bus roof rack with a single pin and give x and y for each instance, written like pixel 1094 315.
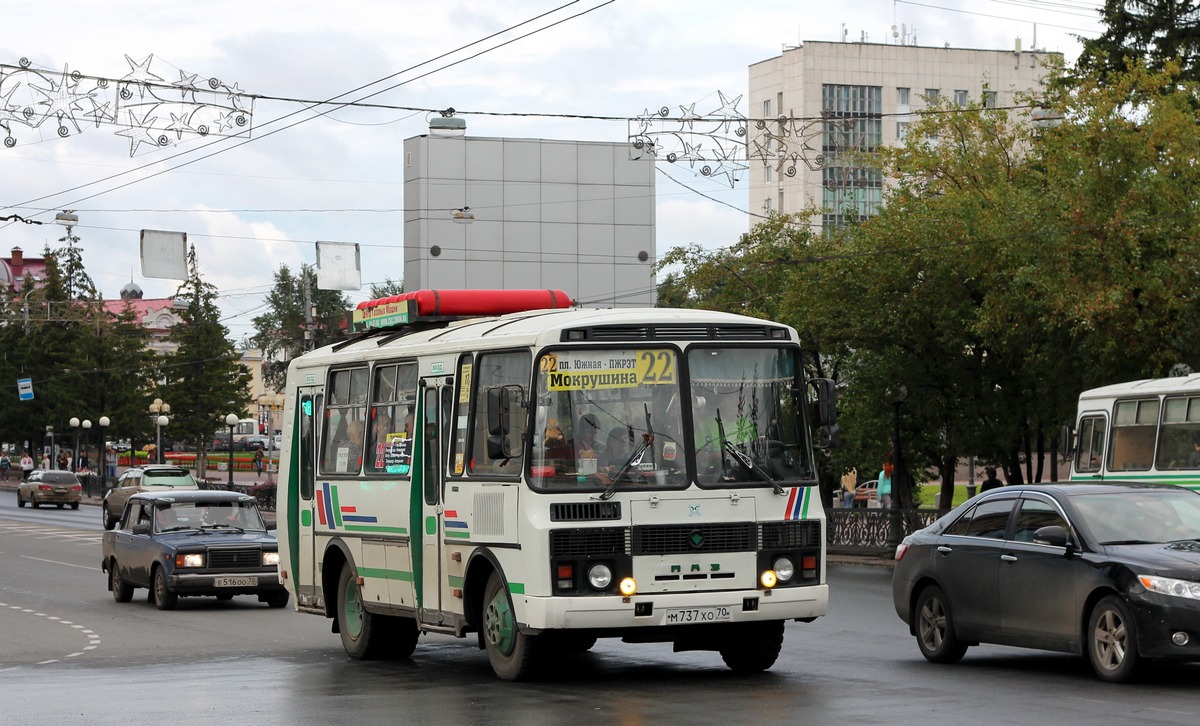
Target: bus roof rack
pixel 422 307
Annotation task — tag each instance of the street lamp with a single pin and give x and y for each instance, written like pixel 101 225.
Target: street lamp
pixel 901 492
pixel 104 422
pixel 272 402
pixel 159 411
pixel 231 421
pixel 74 422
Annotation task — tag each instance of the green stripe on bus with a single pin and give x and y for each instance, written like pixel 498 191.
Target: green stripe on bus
pixel 456 580
pixel 516 588
pixel 458 535
pixel 375 528
pixel 807 494
pixel 337 507
pixel 381 573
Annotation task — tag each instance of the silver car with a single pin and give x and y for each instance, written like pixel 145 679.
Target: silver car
pixel 149 478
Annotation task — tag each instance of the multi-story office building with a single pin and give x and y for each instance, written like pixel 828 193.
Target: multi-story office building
pixel 821 99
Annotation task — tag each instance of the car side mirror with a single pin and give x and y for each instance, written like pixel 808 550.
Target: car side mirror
pixel 141 528
pixel 1054 535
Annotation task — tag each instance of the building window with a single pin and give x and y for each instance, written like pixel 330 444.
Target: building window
pixel 901 130
pixel 767 108
pixel 781 201
pixel 960 98
pixel 902 96
pixel 767 173
pixel 854 122
pixel 932 95
pixel 779 102
pixel 767 205
pixel 989 99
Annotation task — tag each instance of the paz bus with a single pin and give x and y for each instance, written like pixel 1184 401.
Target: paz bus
pixel 1147 430
pixel 503 465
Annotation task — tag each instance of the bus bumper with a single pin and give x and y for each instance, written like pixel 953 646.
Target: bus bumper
pixel 660 609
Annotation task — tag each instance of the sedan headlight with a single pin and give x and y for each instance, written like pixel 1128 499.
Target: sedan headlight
pixel 270 559
pixel 195 559
pixel 1169 586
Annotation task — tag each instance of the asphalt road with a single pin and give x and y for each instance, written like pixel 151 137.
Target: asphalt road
pixel 70 655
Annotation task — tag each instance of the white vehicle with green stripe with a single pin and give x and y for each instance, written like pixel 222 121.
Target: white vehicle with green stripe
pixel 1142 431
pixel 541 476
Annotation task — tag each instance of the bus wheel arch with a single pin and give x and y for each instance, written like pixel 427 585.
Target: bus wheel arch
pixel 336 557
pixel 480 566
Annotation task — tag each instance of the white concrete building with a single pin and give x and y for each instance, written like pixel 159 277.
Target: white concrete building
pixel 528 213
pixel 834 96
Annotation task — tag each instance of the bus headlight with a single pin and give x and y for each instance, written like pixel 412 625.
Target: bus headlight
pixel 785 569
pixel 768 579
pixel 628 587
pixel 600 576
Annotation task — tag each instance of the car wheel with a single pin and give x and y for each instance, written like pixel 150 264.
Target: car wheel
pixel 122 591
pixel 514 655
pixel 935 628
pixel 753 648
pixel 364 634
pixel 74 505
pixel 109 521
pixel 60 505
pixel 33 502
pixel 278 599
pixel 20 501
pixel 1112 641
pixel 164 599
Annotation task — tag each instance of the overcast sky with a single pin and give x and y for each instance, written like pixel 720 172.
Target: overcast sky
pixel 254 206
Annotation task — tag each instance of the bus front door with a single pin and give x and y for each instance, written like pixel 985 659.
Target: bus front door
pixel 303 452
pixel 435 415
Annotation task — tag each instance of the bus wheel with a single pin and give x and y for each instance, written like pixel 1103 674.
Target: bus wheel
pixel 753 648
pixel 511 652
pixel 406 637
pixel 364 634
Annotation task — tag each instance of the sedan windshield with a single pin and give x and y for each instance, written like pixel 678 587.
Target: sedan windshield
pixel 1149 516
pixel 232 515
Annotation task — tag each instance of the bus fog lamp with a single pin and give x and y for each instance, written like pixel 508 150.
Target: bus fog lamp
pixel 600 576
pixel 784 569
pixel 768 579
pixel 628 587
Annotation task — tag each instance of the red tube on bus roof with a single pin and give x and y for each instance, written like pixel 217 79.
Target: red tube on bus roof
pixel 478 302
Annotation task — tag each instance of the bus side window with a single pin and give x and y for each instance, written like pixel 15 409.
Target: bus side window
pixel 1091 444
pixel 307 447
pixel 509 369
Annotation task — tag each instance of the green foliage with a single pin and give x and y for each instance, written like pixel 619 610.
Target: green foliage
pixel 1145 32
pixel 204 379
pixel 387 288
pixel 280 331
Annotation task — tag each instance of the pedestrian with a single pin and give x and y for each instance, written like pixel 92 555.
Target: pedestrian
pixel 5 465
pixel 64 460
pixel 45 462
pixel 885 485
pixel 991 482
pixel 258 460
pixel 26 465
pixel 111 464
pixel 849 488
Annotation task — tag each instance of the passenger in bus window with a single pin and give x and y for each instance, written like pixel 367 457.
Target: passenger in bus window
pixel 1194 457
pixel 587 444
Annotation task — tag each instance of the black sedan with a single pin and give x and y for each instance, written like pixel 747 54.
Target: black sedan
pixel 1110 571
pixel 181 543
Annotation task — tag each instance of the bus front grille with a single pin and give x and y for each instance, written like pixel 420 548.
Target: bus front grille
pixel 789 535
pixel 591 542
pixel 674 539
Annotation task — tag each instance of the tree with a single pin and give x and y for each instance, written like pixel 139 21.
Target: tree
pixel 1150 32
pixel 281 331
pixel 386 288
pixel 203 379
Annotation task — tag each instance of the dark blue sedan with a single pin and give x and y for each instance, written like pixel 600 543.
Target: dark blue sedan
pixel 182 543
pixel 1109 571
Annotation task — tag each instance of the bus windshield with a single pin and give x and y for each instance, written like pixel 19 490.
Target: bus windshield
pixel 604 415
pixel 618 416
pixel 746 416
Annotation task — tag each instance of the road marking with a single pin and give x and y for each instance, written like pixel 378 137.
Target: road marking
pixel 93 638
pixel 56 562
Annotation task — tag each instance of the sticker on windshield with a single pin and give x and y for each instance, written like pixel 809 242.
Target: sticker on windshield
pixel 594 370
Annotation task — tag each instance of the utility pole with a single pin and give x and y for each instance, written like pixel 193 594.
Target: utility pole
pixel 308 311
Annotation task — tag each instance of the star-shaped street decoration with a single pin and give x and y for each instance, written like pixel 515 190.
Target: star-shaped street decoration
pixel 179 124
pixel 140 131
pixel 688 115
pixel 236 96
pixel 140 72
pixel 728 109
pixel 101 113
pixel 187 84
pixel 61 100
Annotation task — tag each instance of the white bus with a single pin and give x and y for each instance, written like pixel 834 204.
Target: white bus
pixel 1146 430
pixel 547 476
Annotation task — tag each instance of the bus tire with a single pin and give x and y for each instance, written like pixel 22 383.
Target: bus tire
pixel 406 637
pixel 363 634
pixel 513 654
pixel 753 647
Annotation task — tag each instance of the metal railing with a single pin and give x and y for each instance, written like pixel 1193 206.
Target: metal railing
pixel 873 531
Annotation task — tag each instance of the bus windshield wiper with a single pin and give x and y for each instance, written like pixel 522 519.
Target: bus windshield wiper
pixel 745 460
pixel 647 440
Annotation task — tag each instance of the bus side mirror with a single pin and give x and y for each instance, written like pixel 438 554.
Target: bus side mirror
pixel 1066 440
pixel 826 401
pixel 498 422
